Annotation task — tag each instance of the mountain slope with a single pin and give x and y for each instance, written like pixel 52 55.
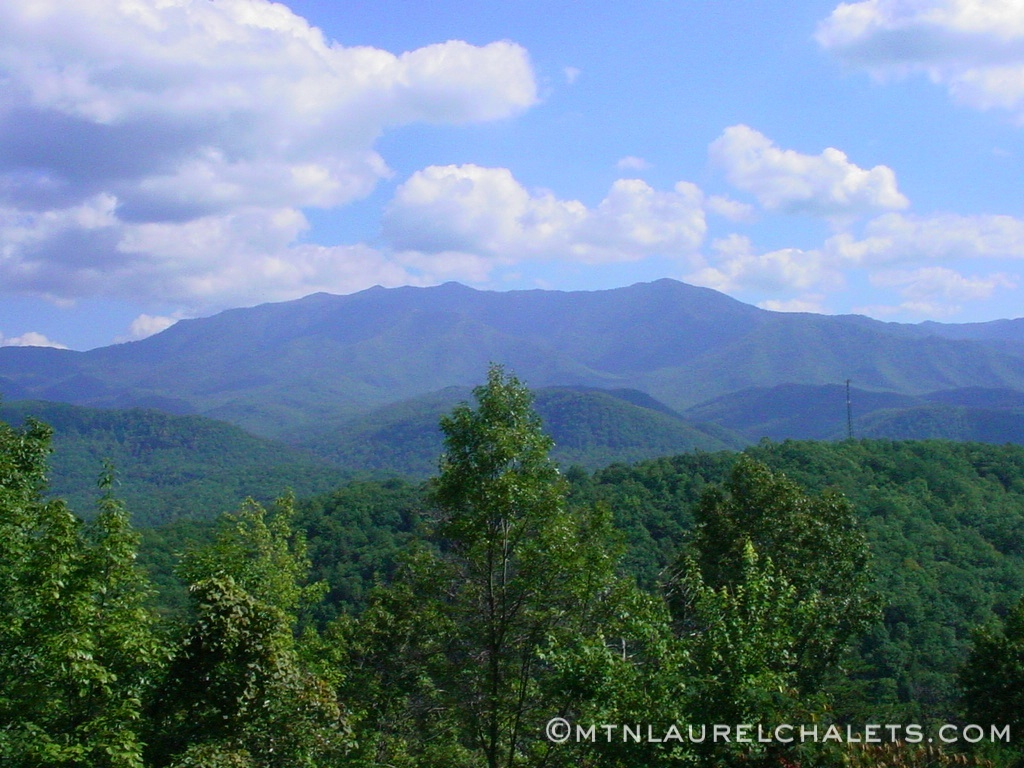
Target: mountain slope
pixel 168 466
pixel 280 367
pixel 944 422
pixel 818 412
pixel 592 428
pixel 798 411
pixel 190 466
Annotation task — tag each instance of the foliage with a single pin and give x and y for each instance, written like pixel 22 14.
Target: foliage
pixel 237 688
pixel 464 613
pixel 771 587
pixel 76 644
pixel 944 523
pixel 355 536
pixel 815 544
pixel 262 553
pixel 466 634
pixel 898 755
pixel 743 640
pixel 169 466
pixel 993 676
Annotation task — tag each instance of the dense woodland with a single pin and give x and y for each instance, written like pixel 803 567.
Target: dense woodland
pixel 444 623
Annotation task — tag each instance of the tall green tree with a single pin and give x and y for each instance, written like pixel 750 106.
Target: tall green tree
pixel 771 588
pixel 77 648
pixel 465 638
pixel 815 545
pixel 237 691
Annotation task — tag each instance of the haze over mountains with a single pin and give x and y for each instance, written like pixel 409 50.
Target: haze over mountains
pixel 674 365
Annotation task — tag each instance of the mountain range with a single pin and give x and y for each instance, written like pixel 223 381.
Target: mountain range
pixel 621 374
pixel 278 367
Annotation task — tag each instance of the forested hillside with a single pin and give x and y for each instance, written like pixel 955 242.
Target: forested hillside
pixel 168 467
pixel 171 467
pixel 945 526
pixel 444 623
pixel 944 523
pixel 590 428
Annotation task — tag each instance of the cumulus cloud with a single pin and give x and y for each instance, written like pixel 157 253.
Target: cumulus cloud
pixel 896 237
pixel 736 266
pixel 973 47
pixel 30 339
pixel 258 258
pixel 226 103
pixel 139 142
pixel 246 256
pixel 923 260
pixel 782 179
pixel 486 211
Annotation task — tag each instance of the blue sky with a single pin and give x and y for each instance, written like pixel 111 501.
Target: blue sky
pixel 163 160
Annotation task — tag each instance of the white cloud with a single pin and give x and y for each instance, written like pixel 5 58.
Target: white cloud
pixel 242 257
pixel 632 163
pixel 259 259
pixel 810 303
pixel 733 210
pixel 896 237
pixel 453 222
pixel 226 103
pixel 736 266
pixel 30 339
pixel 938 291
pixel 973 47
pixel 921 259
pixel 485 211
pixel 782 179
pixel 572 74
pixel 191 133
pixel 145 326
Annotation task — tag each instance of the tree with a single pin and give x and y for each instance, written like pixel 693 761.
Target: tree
pixel 237 691
pixel 467 643
pixel 769 591
pixel 813 542
pixel 992 678
pixel 76 644
pixel 740 639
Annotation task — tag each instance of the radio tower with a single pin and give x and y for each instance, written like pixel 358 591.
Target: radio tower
pixel 849 413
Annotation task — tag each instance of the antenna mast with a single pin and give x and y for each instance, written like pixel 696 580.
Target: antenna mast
pixel 849 413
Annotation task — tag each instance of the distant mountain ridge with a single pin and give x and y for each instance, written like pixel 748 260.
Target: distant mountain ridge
pixel 277 369
pixel 170 466
pixel 819 412
pixel 590 427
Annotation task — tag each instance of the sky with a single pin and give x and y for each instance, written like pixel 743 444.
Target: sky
pixel 169 159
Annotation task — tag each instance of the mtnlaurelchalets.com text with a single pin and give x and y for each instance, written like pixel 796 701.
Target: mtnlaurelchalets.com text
pixel 560 731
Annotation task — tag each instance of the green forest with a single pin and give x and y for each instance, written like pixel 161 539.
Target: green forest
pixel 847 603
